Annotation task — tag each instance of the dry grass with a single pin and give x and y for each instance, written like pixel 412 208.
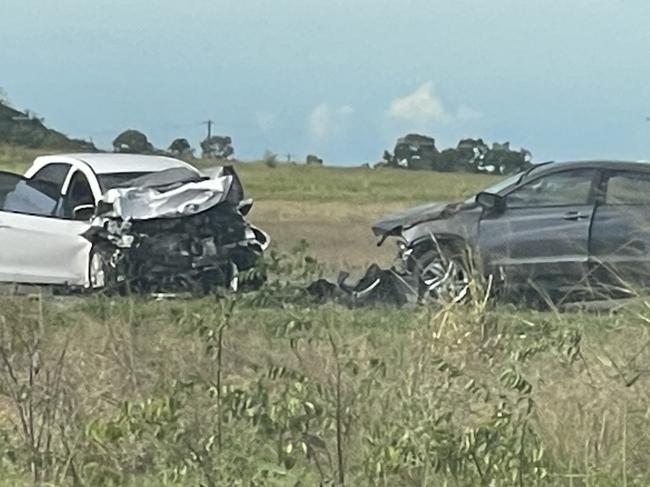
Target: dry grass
pixel 17 159
pixel 338 234
pixel 402 369
pixel 588 372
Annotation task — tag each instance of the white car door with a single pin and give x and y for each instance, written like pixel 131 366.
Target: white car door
pixel 37 244
pixel 43 250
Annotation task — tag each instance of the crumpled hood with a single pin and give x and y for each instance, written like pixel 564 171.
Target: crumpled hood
pixel 395 223
pixel 167 199
pixel 149 203
pixel 146 202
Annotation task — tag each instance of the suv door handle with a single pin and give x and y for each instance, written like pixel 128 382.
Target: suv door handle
pixel 574 215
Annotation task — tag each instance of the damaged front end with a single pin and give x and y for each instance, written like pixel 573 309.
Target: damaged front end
pixel 429 265
pixel 165 233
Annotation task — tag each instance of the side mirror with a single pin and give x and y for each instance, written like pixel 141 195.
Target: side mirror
pixel 83 212
pixel 491 201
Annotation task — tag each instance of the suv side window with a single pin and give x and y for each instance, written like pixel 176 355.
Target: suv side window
pixel 79 193
pixel 49 179
pixel 628 188
pixel 568 188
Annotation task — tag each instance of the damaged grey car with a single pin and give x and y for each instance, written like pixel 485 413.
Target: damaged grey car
pixel 561 230
pixel 146 223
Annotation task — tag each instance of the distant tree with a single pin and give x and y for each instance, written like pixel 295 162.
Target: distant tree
pixel 447 160
pixel 270 159
pixel 415 151
pixel 503 160
pixel 133 142
pixel 217 146
pixel 181 148
pixel 471 153
pixel 387 160
pixel 313 160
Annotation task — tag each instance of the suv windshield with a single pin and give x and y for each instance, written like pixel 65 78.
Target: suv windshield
pixel 503 184
pixel 500 186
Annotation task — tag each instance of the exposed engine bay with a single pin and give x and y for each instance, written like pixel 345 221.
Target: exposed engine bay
pixel 174 231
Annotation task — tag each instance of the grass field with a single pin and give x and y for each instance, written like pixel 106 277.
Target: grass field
pixel 268 388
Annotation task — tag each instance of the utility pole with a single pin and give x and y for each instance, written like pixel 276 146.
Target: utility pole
pixel 209 124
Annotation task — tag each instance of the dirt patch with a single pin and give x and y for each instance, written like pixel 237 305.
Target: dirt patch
pixel 338 234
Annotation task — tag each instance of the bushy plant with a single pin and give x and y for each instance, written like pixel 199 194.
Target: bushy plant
pixel 265 389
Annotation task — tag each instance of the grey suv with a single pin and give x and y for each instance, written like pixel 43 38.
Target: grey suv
pixel 558 228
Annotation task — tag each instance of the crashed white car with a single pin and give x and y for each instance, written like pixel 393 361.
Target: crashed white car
pixel 150 222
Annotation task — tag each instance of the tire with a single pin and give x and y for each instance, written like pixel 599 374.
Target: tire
pixel 101 275
pixel 441 276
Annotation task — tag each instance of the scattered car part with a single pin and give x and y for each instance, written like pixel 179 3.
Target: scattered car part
pixel 377 285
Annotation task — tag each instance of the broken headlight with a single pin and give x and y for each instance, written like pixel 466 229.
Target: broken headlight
pixel 403 250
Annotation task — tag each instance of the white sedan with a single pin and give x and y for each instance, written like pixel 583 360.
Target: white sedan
pixel 47 215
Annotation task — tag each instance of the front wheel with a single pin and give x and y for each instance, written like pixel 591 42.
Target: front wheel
pixel 441 276
pixel 100 272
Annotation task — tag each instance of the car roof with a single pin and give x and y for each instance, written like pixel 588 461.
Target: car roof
pixel 595 164
pixel 107 163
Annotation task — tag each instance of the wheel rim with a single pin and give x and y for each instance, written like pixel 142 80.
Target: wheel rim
pixel 97 272
pixel 445 279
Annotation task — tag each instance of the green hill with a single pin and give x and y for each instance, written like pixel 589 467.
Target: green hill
pixel 22 128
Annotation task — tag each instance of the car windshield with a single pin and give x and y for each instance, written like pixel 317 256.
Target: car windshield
pixel 503 184
pixel 117 179
pixel 174 176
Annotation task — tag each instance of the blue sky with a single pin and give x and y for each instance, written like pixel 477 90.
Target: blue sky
pixel 339 78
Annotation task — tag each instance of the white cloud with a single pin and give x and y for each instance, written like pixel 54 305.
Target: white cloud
pixel 346 110
pixel 323 119
pixel 468 113
pixel 265 120
pixel 423 105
